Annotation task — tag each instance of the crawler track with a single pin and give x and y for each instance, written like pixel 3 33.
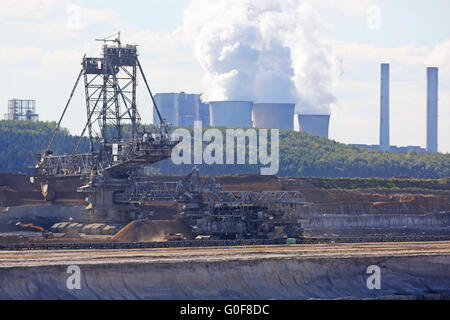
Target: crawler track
pixel 212 243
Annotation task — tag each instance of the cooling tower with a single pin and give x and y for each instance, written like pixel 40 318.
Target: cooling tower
pixel 432 110
pixel 273 116
pixel 384 108
pixel 314 124
pixel 231 114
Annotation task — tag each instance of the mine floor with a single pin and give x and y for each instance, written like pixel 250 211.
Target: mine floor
pixel 9 259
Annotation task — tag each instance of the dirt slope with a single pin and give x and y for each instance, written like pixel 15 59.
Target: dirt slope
pixel 151 230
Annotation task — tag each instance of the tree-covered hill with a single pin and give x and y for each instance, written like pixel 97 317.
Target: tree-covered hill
pixel 301 155
pixel 21 140
pixel 305 155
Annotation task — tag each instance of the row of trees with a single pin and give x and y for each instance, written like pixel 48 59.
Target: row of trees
pixel 301 155
pixel 22 141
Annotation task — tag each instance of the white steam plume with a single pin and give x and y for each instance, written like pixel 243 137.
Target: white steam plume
pixel 263 51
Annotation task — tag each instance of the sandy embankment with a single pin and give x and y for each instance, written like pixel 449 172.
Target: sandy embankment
pixel 281 272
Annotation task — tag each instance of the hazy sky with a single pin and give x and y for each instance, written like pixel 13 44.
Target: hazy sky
pixel 42 43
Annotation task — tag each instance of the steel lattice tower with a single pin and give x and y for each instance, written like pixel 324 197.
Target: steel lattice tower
pixel 110 85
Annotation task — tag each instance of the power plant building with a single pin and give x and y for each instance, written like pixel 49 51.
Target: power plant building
pixel 432 114
pixel 231 114
pixel 432 110
pixel 384 108
pixel 273 116
pixel 168 106
pixel 203 112
pixel 314 124
pixel 181 109
pixel 22 110
pixel 187 112
pixel 394 149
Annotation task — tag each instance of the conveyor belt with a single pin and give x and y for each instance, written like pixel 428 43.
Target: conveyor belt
pixel 213 243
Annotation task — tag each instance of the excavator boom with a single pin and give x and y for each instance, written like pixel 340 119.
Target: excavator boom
pixel 30 225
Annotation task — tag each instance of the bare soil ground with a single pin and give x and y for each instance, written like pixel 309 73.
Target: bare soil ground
pixel 183 255
pixel 16 190
pixel 152 230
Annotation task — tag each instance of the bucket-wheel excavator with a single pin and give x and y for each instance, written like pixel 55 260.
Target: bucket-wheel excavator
pixel 115 185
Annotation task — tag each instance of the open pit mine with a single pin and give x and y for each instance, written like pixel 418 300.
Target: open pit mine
pixel 344 231
pixel 94 226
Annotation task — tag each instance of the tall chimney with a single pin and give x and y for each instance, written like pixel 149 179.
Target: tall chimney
pixel 432 110
pixel 384 108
